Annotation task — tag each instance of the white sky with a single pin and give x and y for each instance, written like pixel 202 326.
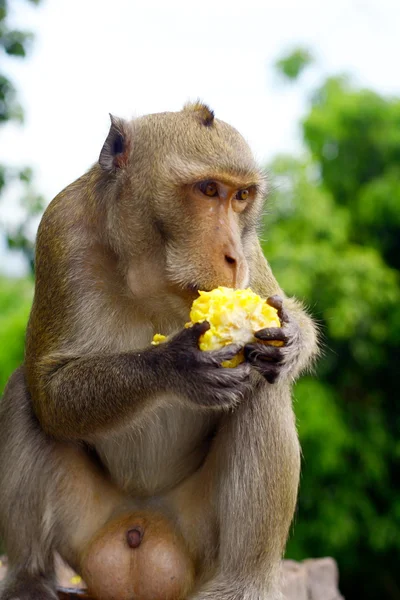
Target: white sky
pixel 129 57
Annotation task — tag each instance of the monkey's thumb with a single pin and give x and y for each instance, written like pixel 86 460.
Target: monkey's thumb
pixel 197 330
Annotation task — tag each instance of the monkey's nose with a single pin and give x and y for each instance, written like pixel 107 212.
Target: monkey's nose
pixel 230 260
pixel 232 268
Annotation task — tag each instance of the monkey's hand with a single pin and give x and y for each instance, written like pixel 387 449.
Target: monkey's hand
pixel 276 362
pixel 199 376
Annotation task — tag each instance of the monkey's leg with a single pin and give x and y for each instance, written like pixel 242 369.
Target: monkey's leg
pixel 251 479
pixel 51 497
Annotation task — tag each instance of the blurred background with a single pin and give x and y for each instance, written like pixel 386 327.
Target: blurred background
pixel 315 89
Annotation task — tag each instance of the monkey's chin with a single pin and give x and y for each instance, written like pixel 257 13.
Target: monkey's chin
pixel 188 292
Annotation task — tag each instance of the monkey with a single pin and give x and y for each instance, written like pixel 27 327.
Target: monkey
pixel 152 470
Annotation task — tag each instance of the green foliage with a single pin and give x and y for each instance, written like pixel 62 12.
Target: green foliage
pixel 16 43
pixel 15 302
pixel 333 239
pixel 355 137
pixel 10 110
pixel 292 65
pixel 20 237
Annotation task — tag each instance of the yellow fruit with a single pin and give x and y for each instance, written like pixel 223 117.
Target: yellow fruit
pixel 234 316
pixel 158 339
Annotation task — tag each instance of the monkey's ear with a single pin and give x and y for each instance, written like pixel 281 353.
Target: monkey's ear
pixel 114 153
pixel 204 112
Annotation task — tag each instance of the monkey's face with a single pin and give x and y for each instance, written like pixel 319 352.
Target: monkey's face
pixel 208 249
pixel 189 198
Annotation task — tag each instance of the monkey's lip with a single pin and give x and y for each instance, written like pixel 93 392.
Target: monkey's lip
pixel 188 292
pixel 193 287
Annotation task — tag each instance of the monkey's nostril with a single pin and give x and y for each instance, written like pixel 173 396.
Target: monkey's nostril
pixel 230 260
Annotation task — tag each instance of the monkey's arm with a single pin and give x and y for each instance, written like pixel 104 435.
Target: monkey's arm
pixel 299 332
pixel 80 397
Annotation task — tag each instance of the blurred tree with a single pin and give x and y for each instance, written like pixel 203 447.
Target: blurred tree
pixel 15 303
pixel 333 238
pixel 16 43
pixel 291 65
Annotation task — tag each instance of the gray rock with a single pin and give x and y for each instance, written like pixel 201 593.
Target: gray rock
pixel 312 579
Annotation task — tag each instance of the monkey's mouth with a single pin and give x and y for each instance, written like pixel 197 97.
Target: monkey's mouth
pixel 193 288
pixel 189 291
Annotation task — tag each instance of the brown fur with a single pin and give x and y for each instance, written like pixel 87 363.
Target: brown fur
pixel 159 567
pixel 119 253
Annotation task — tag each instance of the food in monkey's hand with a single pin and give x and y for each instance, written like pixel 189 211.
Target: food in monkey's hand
pixel 234 316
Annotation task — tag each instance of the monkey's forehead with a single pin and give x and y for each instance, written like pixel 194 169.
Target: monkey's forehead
pixel 183 135
pixel 187 124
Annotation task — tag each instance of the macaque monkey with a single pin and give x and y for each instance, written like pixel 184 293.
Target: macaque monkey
pixel 155 473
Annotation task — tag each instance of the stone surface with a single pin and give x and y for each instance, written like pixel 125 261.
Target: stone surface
pixel 312 579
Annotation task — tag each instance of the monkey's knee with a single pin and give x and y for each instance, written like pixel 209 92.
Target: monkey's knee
pixel 137 556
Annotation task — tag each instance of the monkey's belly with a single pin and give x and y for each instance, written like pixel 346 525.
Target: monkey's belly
pixel 160 450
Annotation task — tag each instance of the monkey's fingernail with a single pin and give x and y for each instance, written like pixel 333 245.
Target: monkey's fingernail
pixel 134 537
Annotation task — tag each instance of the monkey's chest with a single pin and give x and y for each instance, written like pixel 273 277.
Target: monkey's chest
pixel 159 450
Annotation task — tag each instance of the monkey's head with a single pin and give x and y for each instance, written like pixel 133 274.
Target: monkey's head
pixel 185 187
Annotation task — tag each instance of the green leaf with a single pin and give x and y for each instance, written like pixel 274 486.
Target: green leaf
pixel 291 65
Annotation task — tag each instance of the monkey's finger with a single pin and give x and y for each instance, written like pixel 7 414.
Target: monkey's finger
pixel 271 377
pixel 227 378
pixel 271 334
pixel 277 303
pixel 226 353
pixel 269 371
pixel 193 333
pixel 256 352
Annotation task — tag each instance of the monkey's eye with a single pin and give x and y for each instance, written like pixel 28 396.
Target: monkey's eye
pixel 242 195
pixel 209 188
